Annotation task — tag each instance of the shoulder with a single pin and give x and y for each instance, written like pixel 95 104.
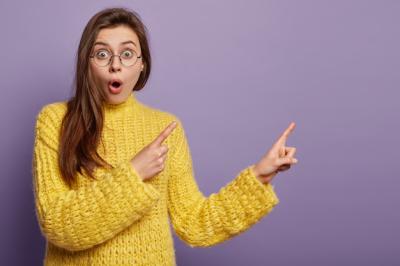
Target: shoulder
pixel 160 116
pixel 50 115
pixel 160 119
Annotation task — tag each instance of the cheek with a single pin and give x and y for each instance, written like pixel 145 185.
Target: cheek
pixel 134 74
pixel 97 74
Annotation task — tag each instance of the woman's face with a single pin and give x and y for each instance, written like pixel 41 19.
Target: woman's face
pixel 121 40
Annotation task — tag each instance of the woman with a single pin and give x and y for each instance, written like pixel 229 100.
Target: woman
pixel 104 185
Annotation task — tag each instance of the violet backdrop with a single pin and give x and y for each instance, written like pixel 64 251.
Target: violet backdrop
pixel 236 73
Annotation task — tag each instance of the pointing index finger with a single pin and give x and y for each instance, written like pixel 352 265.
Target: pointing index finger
pixel 286 133
pixel 165 133
pixel 288 130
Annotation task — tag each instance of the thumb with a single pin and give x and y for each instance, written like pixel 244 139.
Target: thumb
pixel 287 160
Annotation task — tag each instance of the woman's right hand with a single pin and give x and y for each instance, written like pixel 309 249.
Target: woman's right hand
pixel 150 160
pixel 278 158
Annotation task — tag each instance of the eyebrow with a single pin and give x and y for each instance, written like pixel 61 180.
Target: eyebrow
pixel 106 44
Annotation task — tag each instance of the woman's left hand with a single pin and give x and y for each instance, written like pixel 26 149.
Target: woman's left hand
pixel 278 158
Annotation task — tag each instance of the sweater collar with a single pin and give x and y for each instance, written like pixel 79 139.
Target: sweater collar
pixel 120 107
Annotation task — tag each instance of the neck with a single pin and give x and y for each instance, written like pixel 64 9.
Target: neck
pixel 120 107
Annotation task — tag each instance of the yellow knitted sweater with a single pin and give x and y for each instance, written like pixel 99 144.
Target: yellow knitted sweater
pixel 120 219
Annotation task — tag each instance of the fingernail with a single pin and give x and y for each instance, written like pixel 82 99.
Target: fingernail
pixel 295 160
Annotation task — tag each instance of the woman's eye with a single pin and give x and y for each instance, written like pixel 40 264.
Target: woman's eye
pixel 127 53
pixel 102 54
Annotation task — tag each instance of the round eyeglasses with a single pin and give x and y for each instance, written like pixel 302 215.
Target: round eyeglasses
pixel 103 58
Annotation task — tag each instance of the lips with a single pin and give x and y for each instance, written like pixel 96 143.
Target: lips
pixel 115 82
pixel 115 86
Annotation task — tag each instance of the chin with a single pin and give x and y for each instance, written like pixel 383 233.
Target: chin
pixel 117 98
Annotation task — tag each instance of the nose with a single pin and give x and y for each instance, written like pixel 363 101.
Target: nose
pixel 115 64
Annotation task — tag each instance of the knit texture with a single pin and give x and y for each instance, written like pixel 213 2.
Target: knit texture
pixel 119 219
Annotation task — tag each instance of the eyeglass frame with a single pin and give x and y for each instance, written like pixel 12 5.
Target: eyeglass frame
pixel 120 60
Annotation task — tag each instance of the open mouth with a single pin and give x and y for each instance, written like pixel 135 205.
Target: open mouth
pixel 115 86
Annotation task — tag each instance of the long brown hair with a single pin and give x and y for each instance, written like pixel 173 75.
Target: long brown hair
pixel 83 122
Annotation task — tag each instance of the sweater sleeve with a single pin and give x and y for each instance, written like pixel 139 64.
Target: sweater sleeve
pixel 205 221
pixel 77 219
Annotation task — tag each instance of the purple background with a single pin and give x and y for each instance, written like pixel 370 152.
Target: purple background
pixel 237 73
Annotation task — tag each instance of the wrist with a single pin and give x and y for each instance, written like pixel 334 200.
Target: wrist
pixel 263 179
pixel 256 173
pixel 254 170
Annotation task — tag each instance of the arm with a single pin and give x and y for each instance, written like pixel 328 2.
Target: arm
pixel 206 221
pixel 79 219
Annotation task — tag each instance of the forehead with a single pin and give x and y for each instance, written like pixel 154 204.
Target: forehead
pixel 115 36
